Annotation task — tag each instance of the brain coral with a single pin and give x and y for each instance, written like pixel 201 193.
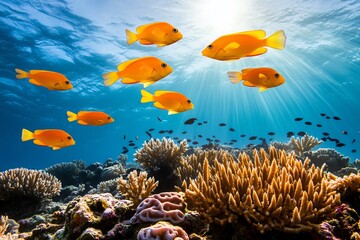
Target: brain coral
pixel 162 231
pixel 21 182
pixel 274 191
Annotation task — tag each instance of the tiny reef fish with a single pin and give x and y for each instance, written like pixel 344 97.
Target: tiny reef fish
pixel 47 79
pixel 263 78
pixel 53 138
pixel 244 44
pixel 144 70
pixel 159 33
pixel 174 102
pixel 91 118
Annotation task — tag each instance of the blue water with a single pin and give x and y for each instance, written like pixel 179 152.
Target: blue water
pixel 85 39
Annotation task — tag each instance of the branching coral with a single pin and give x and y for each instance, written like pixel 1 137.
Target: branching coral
pixel 304 144
pixel 109 186
pixel 137 187
pixel 274 191
pixel 28 183
pixel 156 154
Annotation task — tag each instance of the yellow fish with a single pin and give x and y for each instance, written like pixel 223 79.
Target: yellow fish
pixel 47 79
pixel 159 33
pixel 90 118
pixel 53 138
pixel 244 44
pixel 145 70
pixel 263 78
pixel 172 101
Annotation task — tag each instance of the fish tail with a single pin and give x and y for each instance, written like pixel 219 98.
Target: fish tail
pixel 235 77
pixel 26 135
pixel 110 78
pixel 131 37
pixel 20 73
pixel 146 97
pixel 277 40
pixel 71 116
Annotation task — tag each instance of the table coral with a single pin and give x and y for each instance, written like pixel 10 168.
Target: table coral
pixel 274 191
pixel 334 160
pixel 167 206
pixel 162 231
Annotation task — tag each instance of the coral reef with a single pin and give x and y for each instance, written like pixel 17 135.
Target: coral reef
pixel 167 206
pixel 110 186
pixel 3 225
pixel 334 160
pixel 67 172
pixel 162 230
pixel 112 172
pixel 304 144
pixel 274 191
pixel 137 187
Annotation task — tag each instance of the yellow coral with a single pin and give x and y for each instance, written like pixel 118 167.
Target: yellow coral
pixel 3 225
pixel 274 191
pixel 137 187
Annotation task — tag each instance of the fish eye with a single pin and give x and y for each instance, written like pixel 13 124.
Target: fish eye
pixel 277 75
pixel 188 101
pixel 210 46
pixel 175 30
pixel 67 82
pixel 109 117
pixel 69 138
pixel 163 65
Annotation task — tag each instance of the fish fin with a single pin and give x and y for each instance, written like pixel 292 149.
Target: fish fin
pixel 110 78
pixel 235 77
pixel 263 77
pixel 129 81
pixel 39 71
pixel 161 92
pixel 262 89
pixel 20 73
pixel 82 122
pixel 56 148
pixel 141 28
pixel 246 70
pixel 161 45
pixel 248 84
pixel 255 33
pixel 146 84
pixel 159 105
pixel 26 135
pixel 131 37
pixel 257 52
pixel 277 40
pixel 33 81
pixel 146 97
pixel 231 46
pixel 172 112
pixel 71 116
pixel 144 42
pixel 123 65
pixel 38 142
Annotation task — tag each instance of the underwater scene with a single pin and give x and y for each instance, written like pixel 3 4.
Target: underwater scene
pixel 178 120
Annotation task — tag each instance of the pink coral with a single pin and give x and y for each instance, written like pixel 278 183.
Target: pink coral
pixel 166 206
pixel 163 231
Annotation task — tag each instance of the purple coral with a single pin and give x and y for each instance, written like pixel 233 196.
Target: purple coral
pixel 162 230
pixel 167 206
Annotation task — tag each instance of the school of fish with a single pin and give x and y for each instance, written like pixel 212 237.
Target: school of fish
pixel 148 70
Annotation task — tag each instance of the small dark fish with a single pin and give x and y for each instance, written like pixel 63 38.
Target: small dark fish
pixel 200 136
pixel 130 141
pixel 149 134
pixel 213 136
pixel 354 140
pixel 353 151
pixel 290 134
pixel 195 142
pixel 205 122
pixel 327 117
pixel 344 132
pixel 125 151
pixel 131 144
pixel 322 114
pixel 298 119
pixel 231 129
pixel 271 133
pixel 175 138
pixel 231 143
pixel 162 131
pixel 124 136
pixel 170 131
pixel 135 147
pixel 324 139
pixel 336 118
pixel 253 138
pixel 199 124
pixel 301 133
pixel 178 141
pixel 208 139
pixel 151 129
pixel 222 124
pixel 188 140
pixel 243 135
pixel 190 121
pixel 325 134
pixel 233 140
pixel 271 139
pixel 217 140
pixel 184 132
pixel 340 144
pixel 318 125
pixel 308 123
pixel 124 148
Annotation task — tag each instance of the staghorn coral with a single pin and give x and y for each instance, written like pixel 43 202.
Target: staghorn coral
pixel 274 191
pixel 298 145
pixel 168 206
pixel 162 230
pixel 332 158
pixel 156 154
pixel 21 182
pixel 137 186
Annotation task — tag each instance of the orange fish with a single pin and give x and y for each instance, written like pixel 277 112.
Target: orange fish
pixel 244 44
pixel 145 70
pixel 263 78
pixel 50 80
pixel 53 138
pixel 90 118
pixel 159 33
pixel 172 101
